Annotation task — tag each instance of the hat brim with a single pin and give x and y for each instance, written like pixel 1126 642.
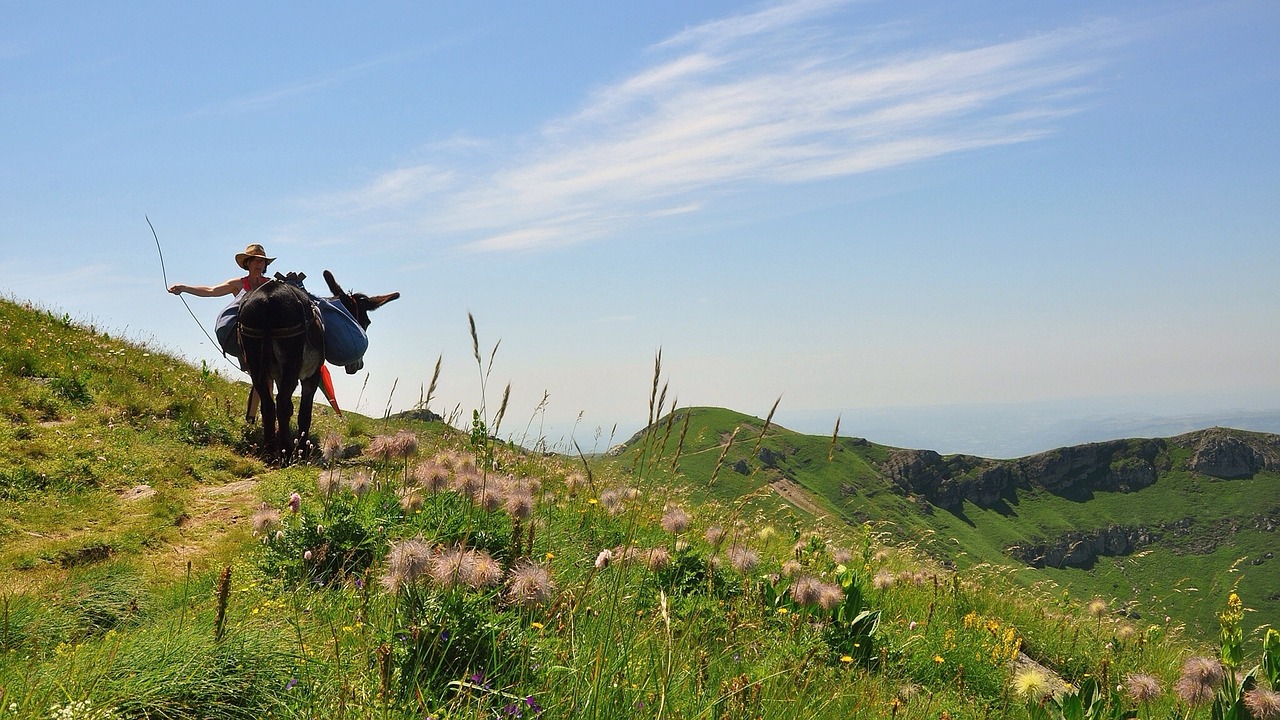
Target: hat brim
pixel 241 258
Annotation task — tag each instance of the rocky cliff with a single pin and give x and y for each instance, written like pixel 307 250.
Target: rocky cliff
pixel 1115 466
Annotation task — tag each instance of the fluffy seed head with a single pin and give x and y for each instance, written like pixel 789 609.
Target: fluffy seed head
pixel 791 568
pixel 1264 704
pixel 484 570
pixel 518 504
pixel 431 476
pixel 381 447
pixel 1199 681
pixel 530 585
pixel 1032 683
pixel 265 519
pixel 1141 687
pixel 448 568
pixel 1096 607
pixel 656 558
pixel 675 520
pixel 331 446
pixel 360 484
pixel 407 561
pixel 411 501
pixel 806 590
pixel 742 559
pixel 830 597
pixel 714 535
pixel 883 580
pixel 611 500
pixel 490 499
pixel 468 482
pixel 604 558
pixel 329 481
pixel 403 444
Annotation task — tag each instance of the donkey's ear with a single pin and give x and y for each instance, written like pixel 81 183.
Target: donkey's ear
pixel 377 301
pixel 334 287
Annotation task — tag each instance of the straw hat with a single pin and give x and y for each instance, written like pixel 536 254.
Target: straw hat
pixel 252 251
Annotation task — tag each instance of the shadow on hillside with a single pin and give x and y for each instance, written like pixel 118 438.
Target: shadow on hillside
pixel 958 513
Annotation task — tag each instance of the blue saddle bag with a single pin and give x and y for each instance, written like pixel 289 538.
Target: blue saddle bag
pixel 225 328
pixel 345 342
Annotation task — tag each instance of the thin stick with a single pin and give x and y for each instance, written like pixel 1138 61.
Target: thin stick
pixel 165 276
pixel 834 434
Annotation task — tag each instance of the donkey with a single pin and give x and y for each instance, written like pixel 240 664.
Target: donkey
pixel 281 339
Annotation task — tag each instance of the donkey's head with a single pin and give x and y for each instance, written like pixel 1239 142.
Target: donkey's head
pixel 358 304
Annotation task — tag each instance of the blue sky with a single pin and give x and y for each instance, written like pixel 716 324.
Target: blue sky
pixel 853 205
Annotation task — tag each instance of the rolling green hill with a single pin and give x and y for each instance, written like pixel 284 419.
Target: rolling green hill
pixel 1163 527
pixel 152 567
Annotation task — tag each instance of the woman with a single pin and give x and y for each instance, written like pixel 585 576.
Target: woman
pixel 254 259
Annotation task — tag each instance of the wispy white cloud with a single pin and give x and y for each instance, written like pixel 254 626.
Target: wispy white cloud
pixel 774 97
pixel 252 102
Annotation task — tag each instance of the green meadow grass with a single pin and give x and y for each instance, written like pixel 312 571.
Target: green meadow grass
pixel 150 567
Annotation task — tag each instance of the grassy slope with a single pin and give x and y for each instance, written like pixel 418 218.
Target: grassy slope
pixel 97 607
pixel 1183 577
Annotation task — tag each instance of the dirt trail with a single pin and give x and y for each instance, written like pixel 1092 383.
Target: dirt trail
pixel 798 496
pixel 214 512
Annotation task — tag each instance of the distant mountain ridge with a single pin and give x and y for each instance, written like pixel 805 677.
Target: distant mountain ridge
pixel 1117 465
pixel 1018 430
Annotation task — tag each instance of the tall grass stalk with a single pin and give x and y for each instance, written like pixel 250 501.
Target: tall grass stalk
pixel 767 420
pixel 720 461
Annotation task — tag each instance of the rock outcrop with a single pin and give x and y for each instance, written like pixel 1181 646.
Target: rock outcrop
pixel 1113 466
pixel 1082 549
pixel 1223 455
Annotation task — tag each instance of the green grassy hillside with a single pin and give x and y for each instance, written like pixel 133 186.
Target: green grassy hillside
pixel 1206 536
pixel 151 567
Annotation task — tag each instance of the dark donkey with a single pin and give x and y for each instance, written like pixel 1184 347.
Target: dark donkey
pixel 282 341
